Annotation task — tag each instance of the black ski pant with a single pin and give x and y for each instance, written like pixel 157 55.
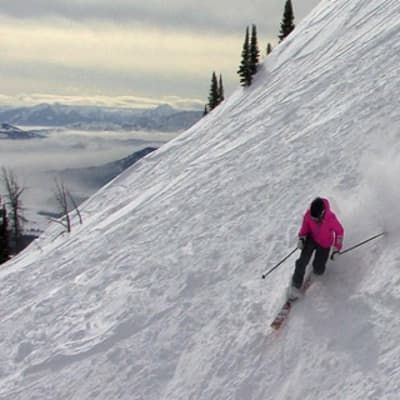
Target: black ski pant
pixel 320 258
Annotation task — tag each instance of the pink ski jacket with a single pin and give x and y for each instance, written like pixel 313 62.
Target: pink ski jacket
pixel 328 232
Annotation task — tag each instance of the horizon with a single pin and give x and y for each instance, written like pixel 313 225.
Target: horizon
pixel 119 105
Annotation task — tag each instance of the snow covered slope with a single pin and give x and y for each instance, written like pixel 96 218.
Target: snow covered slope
pixel 158 294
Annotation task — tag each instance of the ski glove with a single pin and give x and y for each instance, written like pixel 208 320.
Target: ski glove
pixel 300 242
pixel 335 254
pixel 338 243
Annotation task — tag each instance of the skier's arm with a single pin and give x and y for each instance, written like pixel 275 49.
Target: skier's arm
pixel 339 233
pixel 305 229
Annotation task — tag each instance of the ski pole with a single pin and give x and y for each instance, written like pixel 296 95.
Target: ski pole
pixel 361 243
pixel 277 265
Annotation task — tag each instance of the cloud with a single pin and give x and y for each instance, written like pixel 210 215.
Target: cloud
pixel 225 15
pixel 106 59
pixel 177 14
pixel 151 49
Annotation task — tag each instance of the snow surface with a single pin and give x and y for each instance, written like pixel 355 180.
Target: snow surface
pixel 158 294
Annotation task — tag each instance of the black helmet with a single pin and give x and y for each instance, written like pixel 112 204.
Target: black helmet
pixel 317 208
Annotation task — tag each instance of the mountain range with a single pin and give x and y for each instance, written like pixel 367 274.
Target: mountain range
pixel 162 118
pixel 96 177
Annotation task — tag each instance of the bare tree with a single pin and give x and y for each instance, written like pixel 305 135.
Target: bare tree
pixel 76 209
pixel 14 192
pixel 64 199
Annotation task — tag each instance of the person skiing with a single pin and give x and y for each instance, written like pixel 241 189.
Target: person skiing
pixel 320 232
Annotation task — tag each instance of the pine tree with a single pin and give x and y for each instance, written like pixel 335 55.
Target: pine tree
pixel 213 97
pixel 205 112
pixel 4 236
pixel 269 49
pixel 14 192
pixel 254 51
pixel 221 95
pixel 287 24
pixel 244 70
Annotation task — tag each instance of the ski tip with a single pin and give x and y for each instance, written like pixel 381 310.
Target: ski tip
pixel 275 326
pixel 281 316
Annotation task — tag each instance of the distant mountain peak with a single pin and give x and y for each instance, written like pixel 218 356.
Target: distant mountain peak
pixel 89 117
pixel 8 131
pixel 9 128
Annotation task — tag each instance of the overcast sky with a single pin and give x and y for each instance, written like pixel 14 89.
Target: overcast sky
pixel 128 52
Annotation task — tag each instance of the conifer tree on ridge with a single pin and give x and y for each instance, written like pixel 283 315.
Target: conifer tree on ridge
pixel 213 98
pixel 287 24
pixel 254 51
pixel 221 95
pixel 250 57
pixel 244 70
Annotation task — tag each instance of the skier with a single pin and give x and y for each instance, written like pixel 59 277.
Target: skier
pixel 321 232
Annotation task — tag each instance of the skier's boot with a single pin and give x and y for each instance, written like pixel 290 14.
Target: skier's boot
pixel 293 293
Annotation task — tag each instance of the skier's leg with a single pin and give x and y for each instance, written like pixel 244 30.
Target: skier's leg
pixel 320 259
pixel 301 263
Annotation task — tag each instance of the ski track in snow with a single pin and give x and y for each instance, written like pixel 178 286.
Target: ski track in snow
pixel 158 296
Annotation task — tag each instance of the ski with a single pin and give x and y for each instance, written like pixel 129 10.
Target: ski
pixel 282 315
pixel 284 311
